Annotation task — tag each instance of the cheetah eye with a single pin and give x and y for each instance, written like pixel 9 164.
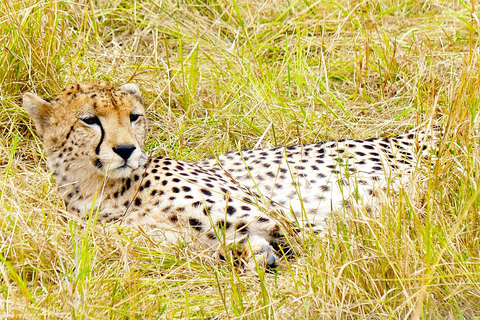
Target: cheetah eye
pixel 134 117
pixel 91 120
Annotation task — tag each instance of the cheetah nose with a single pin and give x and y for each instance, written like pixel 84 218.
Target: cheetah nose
pixel 124 151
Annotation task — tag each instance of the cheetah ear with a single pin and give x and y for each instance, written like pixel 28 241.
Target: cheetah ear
pixel 132 88
pixel 39 110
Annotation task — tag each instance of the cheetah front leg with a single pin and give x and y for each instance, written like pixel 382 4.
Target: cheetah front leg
pixel 251 244
pixel 263 256
pixel 251 251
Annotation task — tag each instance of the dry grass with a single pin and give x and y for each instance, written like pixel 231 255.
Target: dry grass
pixel 217 74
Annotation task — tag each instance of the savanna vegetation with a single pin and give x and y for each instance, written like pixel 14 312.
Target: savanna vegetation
pixel 224 75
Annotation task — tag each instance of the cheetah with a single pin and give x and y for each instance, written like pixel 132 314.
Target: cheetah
pixel 94 133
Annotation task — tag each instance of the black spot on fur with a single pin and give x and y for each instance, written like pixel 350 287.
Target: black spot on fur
pixel 195 223
pixel 196 204
pixel 206 211
pixel 384 145
pixel 97 163
pixel 275 232
pixel 242 228
pixel 223 225
pixel 231 210
pixel 206 192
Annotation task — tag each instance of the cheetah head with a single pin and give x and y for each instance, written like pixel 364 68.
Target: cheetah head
pixel 91 130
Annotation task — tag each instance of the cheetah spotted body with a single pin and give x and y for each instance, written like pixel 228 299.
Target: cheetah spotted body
pixel 94 136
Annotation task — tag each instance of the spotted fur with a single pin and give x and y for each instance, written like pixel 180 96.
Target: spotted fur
pixel 94 138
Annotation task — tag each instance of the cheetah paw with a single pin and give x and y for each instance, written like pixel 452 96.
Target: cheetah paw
pixel 264 258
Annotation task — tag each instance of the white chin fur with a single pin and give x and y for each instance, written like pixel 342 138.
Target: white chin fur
pixel 119 169
pixel 121 172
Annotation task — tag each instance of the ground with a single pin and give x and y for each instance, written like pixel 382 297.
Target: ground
pixel 221 76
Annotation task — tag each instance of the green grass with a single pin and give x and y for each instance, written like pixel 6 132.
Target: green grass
pixel 217 76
